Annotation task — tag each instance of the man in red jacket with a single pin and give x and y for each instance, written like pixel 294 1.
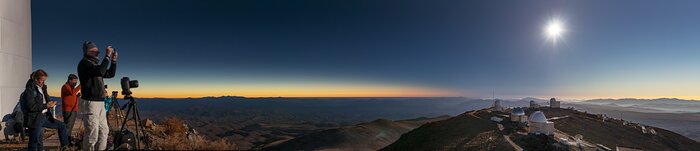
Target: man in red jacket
pixel 69 97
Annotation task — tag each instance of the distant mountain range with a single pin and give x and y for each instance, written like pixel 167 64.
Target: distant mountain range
pixel 659 105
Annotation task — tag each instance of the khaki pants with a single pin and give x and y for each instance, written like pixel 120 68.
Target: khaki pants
pixel 95 122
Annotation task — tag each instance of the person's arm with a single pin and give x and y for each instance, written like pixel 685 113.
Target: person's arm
pixel 111 71
pixel 47 97
pixel 65 91
pixel 32 104
pixel 95 70
pixel 76 90
pixel 46 93
pixel 102 69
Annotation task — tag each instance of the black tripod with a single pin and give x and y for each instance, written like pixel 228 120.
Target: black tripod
pixel 140 131
pixel 115 111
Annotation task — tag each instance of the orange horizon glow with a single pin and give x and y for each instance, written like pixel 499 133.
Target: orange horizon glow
pixel 347 93
pixel 339 90
pixel 295 95
pixel 291 91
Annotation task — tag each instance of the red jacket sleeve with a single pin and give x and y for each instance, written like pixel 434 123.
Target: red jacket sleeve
pixel 65 91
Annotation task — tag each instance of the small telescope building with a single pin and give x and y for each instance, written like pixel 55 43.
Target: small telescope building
pixel 518 115
pixel 553 103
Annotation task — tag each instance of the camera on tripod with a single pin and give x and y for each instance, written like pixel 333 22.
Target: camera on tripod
pixel 137 136
pixel 127 84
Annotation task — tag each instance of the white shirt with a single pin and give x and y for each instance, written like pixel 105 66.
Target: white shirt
pixel 43 100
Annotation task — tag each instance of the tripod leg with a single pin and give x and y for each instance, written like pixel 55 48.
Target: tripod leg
pixel 118 112
pixel 125 118
pixel 132 110
pixel 138 124
pixel 137 121
pixel 136 117
pixel 143 131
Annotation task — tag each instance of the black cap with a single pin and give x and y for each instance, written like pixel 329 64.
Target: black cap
pixel 87 45
pixel 72 76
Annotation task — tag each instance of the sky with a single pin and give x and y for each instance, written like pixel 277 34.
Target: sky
pixel 387 48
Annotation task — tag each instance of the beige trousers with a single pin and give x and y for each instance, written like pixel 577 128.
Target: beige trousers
pixel 95 122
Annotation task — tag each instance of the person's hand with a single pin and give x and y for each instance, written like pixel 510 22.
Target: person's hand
pixel 51 104
pixel 114 57
pixel 109 50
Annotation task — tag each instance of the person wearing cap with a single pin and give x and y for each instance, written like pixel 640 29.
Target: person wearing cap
pixel 69 99
pixel 91 73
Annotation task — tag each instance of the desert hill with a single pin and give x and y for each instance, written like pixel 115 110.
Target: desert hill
pixel 365 136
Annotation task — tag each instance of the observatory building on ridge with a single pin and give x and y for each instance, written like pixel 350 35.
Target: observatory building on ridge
pixel 518 115
pixel 553 103
pixel 538 124
pixel 534 104
pixel 497 105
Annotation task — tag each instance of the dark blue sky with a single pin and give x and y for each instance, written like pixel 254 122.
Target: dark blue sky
pixel 380 48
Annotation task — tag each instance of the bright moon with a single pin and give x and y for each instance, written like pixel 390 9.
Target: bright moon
pixel 553 30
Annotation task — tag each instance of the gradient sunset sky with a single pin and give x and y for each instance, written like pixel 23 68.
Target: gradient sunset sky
pixel 176 48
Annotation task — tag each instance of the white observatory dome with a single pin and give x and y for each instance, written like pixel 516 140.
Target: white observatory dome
pixel 538 117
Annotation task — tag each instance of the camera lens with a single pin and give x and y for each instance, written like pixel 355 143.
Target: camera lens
pixel 134 84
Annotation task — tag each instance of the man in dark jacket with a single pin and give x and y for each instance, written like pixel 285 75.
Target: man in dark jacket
pixel 35 104
pixel 91 72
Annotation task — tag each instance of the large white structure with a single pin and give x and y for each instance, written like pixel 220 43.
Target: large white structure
pixel 553 103
pixel 538 124
pixel 15 51
pixel 497 105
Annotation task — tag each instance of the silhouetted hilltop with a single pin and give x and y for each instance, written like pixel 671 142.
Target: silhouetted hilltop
pixel 469 131
pixel 365 136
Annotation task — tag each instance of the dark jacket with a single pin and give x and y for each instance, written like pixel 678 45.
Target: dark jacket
pixel 33 104
pixel 90 74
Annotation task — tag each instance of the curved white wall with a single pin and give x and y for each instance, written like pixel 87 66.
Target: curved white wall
pixel 15 51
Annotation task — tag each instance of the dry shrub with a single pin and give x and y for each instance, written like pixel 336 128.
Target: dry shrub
pixel 174 126
pixel 176 139
pixel 181 143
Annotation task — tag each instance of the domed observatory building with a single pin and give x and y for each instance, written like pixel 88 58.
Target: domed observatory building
pixel 497 105
pixel 518 115
pixel 538 124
